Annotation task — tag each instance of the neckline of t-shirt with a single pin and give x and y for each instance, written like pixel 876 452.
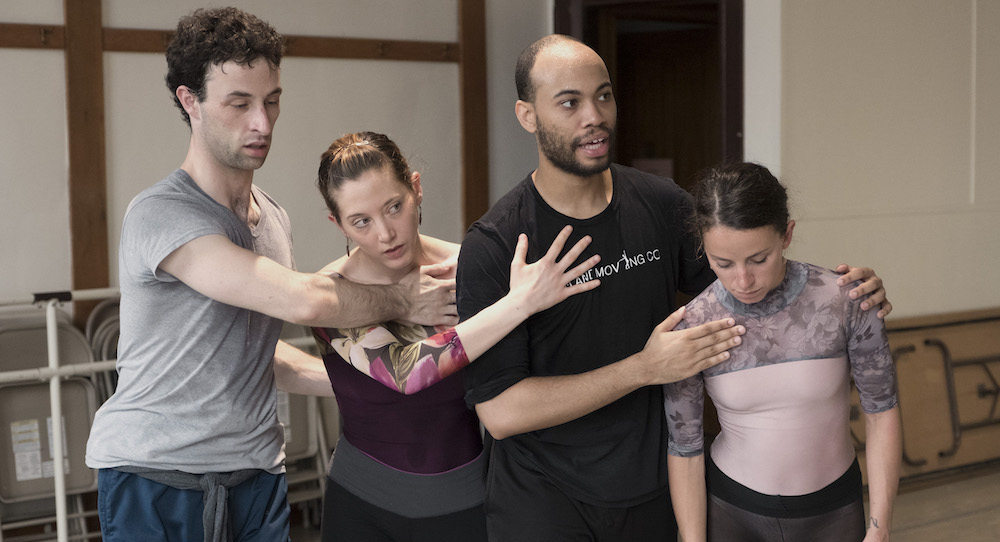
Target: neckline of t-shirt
pixel 605 214
pixel 255 191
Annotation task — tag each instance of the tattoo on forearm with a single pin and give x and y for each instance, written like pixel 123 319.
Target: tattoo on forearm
pixel 874 522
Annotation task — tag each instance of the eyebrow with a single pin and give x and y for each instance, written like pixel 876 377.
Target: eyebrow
pixel 754 255
pixel 574 92
pixel 245 94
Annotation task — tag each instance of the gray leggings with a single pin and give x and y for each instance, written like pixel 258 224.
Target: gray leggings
pixel 729 523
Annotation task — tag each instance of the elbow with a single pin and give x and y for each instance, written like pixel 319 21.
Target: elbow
pixel 495 421
pixel 308 306
pixel 308 313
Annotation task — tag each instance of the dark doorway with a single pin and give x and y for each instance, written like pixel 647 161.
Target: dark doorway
pixel 677 69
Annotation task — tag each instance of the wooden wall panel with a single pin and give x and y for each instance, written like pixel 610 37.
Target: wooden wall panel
pixel 84 41
pixel 948 368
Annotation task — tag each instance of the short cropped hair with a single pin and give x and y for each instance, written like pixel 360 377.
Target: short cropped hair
pixel 526 61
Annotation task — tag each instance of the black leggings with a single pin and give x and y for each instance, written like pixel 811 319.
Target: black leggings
pixel 835 513
pixel 728 523
pixel 347 518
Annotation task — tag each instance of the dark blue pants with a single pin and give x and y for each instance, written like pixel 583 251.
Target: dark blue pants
pixel 132 508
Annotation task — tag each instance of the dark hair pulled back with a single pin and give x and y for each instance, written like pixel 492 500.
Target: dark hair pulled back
pixel 740 196
pixel 351 156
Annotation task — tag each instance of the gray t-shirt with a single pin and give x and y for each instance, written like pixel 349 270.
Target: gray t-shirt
pixel 196 389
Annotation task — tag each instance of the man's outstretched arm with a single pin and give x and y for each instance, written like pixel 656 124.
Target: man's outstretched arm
pixel 539 402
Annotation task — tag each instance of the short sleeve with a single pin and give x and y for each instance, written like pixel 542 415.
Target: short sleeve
pixel 684 404
pixel 483 277
pixel 871 361
pixel 154 227
pixel 684 407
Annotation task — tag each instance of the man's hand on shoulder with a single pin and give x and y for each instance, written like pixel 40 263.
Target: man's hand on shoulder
pixel 431 297
pixel 871 283
pixel 671 356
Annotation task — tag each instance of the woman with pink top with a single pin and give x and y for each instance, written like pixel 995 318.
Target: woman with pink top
pixel 783 467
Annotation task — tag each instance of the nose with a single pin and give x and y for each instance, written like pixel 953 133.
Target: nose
pixel 592 115
pixel 744 279
pixel 385 231
pixel 260 120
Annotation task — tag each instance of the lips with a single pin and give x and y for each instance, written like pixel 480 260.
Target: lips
pixel 594 146
pixel 257 147
pixel 394 252
pixel 747 295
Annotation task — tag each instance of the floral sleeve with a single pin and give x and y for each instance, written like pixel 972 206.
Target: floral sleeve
pixel 871 361
pixel 684 407
pixel 401 357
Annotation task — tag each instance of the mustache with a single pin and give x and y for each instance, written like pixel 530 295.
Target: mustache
pixel 607 131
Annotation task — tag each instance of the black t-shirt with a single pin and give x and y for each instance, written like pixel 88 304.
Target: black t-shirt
pixel 617 454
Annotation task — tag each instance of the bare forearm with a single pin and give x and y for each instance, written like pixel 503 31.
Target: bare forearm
pixel 353 305
pixel 882 454
pixel 689 496
pixel 215 267
pixel 298 372
pixel 340 303
pixel 488 326
pixel 539 402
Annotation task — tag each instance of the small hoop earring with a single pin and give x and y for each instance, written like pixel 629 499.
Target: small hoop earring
pixel 347 245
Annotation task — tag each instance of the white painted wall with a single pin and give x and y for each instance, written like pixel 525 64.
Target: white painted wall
pixel 887 137
pixel 417 103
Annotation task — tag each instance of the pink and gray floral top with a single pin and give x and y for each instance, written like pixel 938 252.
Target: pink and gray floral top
pixel 783 396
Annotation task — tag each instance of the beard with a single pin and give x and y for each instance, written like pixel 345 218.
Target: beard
pixel 562 152
pixel 227 152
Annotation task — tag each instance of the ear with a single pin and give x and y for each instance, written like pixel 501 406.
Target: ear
pixel 189 101
pixel 418 190
pixel 334 219
pixel 525 113
pixel 788 235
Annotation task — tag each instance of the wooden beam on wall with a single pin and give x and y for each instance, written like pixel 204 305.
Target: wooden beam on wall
pixel 32 36
pixel 472 89
pixel 85 40
pixel 132 40
pixel 88 215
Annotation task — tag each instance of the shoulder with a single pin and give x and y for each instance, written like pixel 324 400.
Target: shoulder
pixel 640 193
pixel 265 201
pixel 336 267
pixel 631 179
pixel 507 218
pixel 176 192
pixel 510 208
pixel 826 279
pixel 705 307
pixel 439 250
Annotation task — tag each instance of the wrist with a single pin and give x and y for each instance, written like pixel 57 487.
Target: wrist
pixel 635 370
pixel 402 304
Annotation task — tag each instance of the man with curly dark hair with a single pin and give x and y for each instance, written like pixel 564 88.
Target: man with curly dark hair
pixel 190 447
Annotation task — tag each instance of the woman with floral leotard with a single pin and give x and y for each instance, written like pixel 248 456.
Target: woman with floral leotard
pixel 409 464
pixel 783 467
